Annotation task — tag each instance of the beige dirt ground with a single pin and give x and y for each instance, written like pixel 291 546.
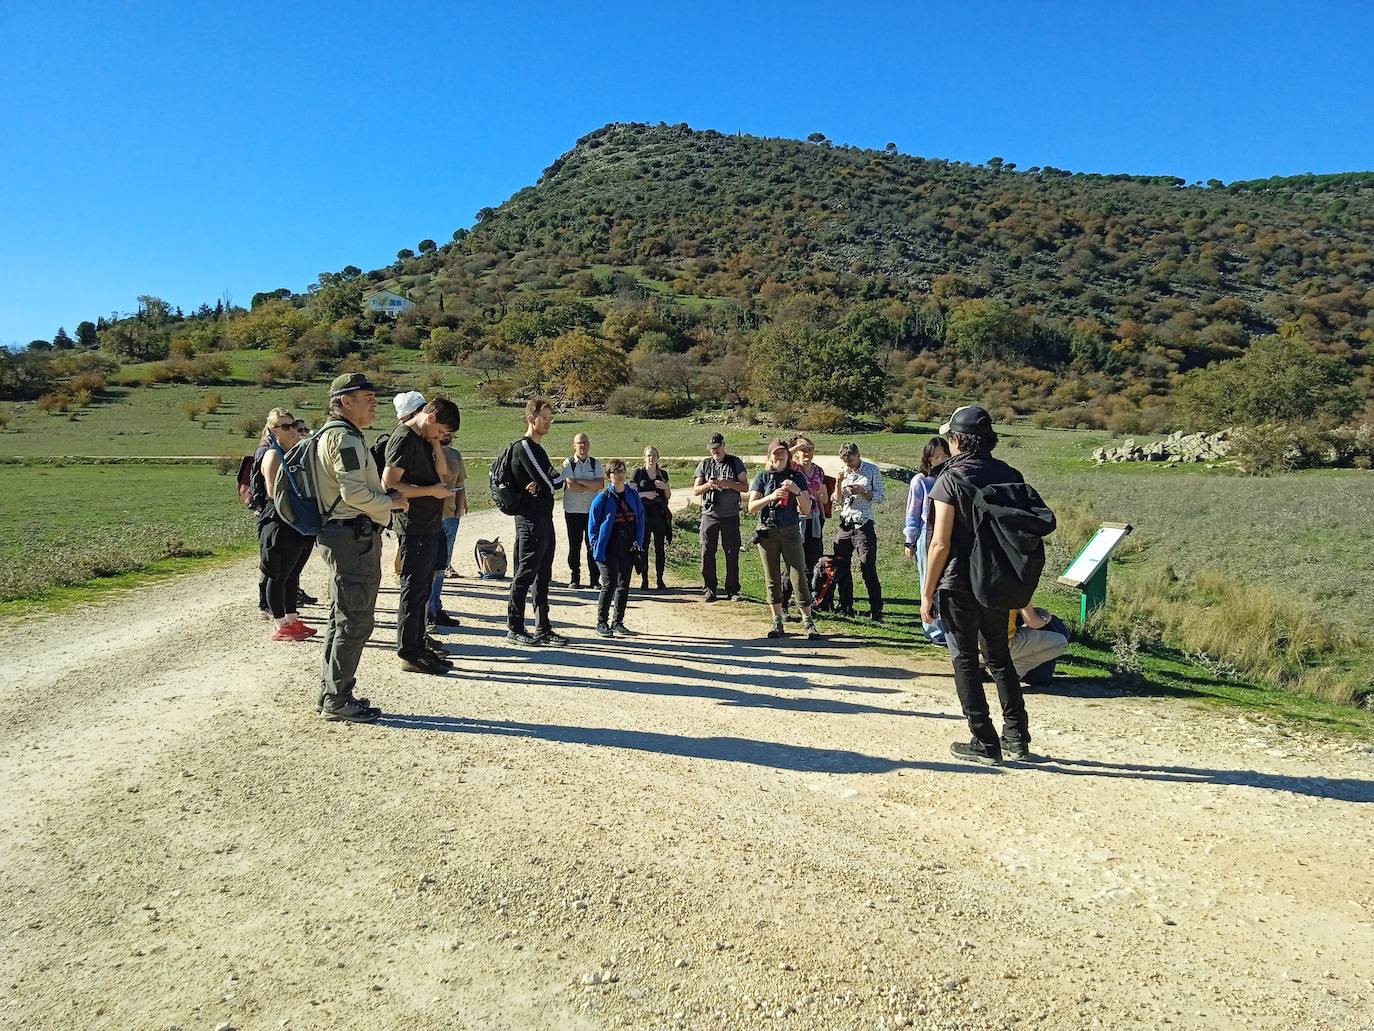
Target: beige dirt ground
pixel 701 829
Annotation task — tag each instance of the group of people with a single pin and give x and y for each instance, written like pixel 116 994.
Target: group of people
pixel 415 482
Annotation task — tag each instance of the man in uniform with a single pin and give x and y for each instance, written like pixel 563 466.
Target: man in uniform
pixel 349 489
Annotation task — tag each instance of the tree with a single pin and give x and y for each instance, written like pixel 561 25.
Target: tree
pixel 1274 381
pixel 404 254
pixel 848 373
pixel 342 299
pixel 891 148
pixel 459 235
pixel 782 358
pixel 62 342
pixel 983 328
pixel 817 137
pixel 483 214
pixel 427 247
pixel 582 369
pixel 86 335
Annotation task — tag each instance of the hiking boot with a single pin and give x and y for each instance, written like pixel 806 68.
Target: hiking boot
pixel 434 644
pixel 661 585
pixel 520 637
pixel 975 752
pixel 350 710
pixel 621 630
pixel 603 630
pixel 809 629
pixel 644 584
pixel 776 630
pixel 877 617
pixel 708 595
pixel 292 632
pixel 319 702
pixel 439 657
pixel 442 618
pixel 425 664
pixel 1015 751
pixel 305 599
pixel 550 638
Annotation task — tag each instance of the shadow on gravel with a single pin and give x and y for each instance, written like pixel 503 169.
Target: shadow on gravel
pixel 724 749
pixel 1345 789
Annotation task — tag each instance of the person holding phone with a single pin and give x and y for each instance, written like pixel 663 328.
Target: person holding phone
pixel 781 498
pixel 651 480
pixel 719 481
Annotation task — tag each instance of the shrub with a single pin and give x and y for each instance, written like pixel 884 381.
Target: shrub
pixel 823 418
pixel 498 391
pixel 211 401
pixel 193 408
pixel 1275 380
pixel 206 369
pixel 784 414
pixel 300 398
pixel 227 462
pixel 895 422
pixel 273 371
pixel 249 426
pixel 5 418
pixel 644 403
pixel 91 382
pixel 53 403
pixel 81 398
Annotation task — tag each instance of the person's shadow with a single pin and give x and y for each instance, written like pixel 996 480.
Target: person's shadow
pixel 1345 789
pixel 800 758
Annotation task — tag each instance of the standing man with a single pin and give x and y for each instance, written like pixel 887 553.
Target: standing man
pixel 857 490
pixel 415 465
pixel 583 480
pixel 356 506
pixel 538 481
pixel 971 440
pixel 719 480
pixel 455 478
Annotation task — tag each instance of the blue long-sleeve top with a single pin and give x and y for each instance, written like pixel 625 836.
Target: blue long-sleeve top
pixel 917 505
pixel 601 520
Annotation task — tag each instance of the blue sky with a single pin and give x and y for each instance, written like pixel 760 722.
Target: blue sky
pixel 192 149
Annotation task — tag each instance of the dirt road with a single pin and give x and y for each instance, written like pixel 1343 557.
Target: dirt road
pixel 702 830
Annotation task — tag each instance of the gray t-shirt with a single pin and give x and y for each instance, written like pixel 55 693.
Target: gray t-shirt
pixel 580 501
pixel 720 504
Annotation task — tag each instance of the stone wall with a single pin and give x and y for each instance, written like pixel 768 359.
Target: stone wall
pixel 1177 447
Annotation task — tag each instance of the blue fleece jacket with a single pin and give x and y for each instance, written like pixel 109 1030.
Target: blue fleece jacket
pixel 601 520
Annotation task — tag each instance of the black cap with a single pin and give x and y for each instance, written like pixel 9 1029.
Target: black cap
pixel 716 438
pixel 969 419
pixel 349 382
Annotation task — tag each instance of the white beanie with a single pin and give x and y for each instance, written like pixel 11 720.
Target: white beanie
pixel 408 403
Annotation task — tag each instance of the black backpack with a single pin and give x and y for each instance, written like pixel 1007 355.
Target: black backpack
pixel 505 492
pixel 1010 524
pixel 823 579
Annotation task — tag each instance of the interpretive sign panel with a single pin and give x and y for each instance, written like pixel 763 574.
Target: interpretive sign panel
pixel 1095 554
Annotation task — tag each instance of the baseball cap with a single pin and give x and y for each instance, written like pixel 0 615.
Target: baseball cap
pixel 716 438
pixel 408 403
pixel 968 419
pixel 349 382
pixel 775 444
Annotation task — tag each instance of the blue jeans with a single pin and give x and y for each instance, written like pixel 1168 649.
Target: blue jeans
pixel 450 531
pixel 935 632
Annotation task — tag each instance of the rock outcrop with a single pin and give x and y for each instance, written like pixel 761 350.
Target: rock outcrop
pixel 1177 447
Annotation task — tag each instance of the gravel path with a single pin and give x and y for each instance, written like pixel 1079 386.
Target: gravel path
pixel 702 830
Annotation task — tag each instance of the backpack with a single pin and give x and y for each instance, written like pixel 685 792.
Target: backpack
pixel 295 495
pixel 248 478
pixel 823 579
pixel 1010 522
pixel 505 492
pixel 490 557
pixel 378 450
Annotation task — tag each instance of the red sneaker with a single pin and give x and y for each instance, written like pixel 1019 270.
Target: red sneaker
pixel 292 632
pixel 304 627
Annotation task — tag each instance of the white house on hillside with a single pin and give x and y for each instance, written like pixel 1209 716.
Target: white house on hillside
pixel 388 303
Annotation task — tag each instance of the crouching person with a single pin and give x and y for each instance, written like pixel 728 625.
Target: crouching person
pixel 356 507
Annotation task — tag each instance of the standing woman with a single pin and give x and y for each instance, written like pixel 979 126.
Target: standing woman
pixel 282 551
pixel 615 530
pixel 813 523
pixel 779 497
pixel 918 518
pixel 652 483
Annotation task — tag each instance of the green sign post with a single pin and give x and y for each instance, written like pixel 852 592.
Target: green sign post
pixel 1088 571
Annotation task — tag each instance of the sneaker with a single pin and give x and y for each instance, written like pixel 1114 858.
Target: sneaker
pixel 434 644
pixel 621 630
pixel 976 753
pixel 550 638
pixel 266 616
pixel 708 595
pixel 319 702
pixel 575 584
pixel 809 629
pixel 737 597
pixel 351 710
pixel 440 657
pixel 305 628
pixel 292 632
pixel 644 584
pixel 877 617
pixel 442 618
pixel 661 585
pixel 604 631
pixel 305 599
pixel 520 637
pixel 776 630
pixel 425 664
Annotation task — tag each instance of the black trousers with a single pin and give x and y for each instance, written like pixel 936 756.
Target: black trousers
pixel 282 554
pixel 969 626
pixel 722 533
pixel 533 568
pixel 657 531
pixel 864 540
pixel 812 548
pixel 579 543
pixel 420 557
pixel 615 580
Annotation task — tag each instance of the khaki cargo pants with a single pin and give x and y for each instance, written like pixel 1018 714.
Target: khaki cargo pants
pixel 355 574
